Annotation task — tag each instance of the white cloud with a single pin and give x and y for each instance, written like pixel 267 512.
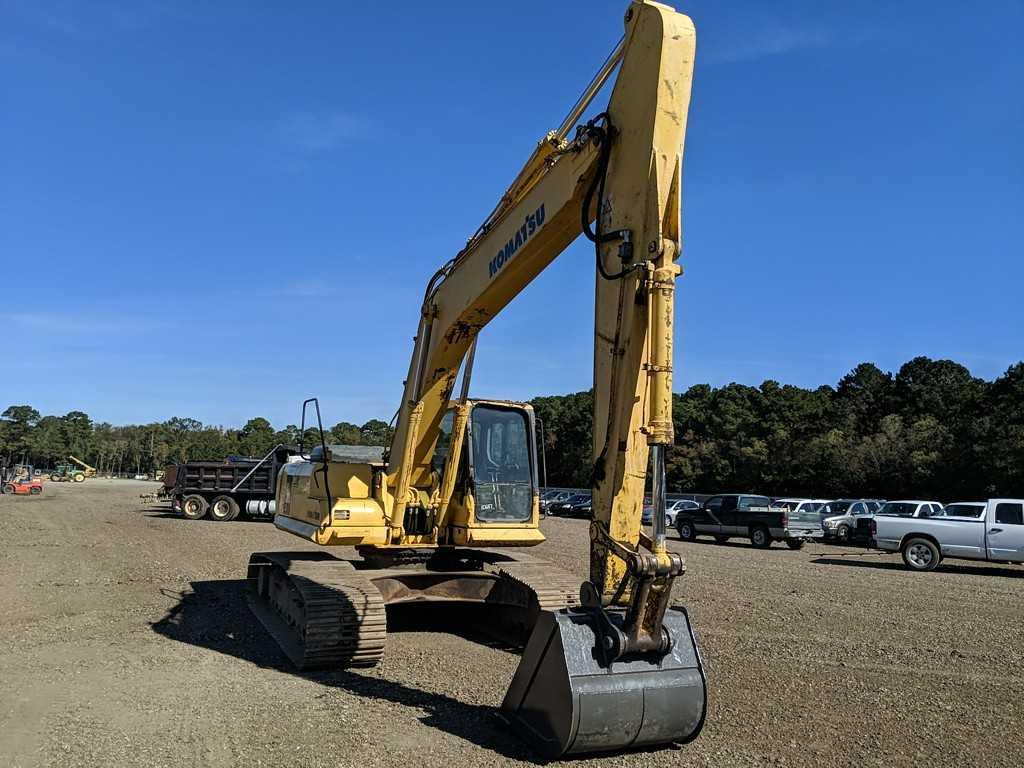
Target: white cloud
pixel 96 19
pixel 311 287
pixel 318 133
pixel 307 289
pixel 773 40
pixel 75 325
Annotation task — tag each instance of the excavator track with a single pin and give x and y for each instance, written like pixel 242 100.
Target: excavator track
pixel 327 613
pixel 525 588
pixel 550 587
pixel 322 612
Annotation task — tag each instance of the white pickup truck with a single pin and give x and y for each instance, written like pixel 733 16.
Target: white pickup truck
pixel 996 534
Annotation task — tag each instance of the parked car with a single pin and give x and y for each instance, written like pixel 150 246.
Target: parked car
pixel 806 507
pixel 679 505
pixel 997 535
pixel 751 516
pixel 577 505
pixel 913 508
pixel 553 497
pixel 647 513
pixel 672 507
pixel 842 524
pixel 863 530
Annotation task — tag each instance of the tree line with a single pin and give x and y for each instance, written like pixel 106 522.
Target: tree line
pixel 26 437
pixel 931 430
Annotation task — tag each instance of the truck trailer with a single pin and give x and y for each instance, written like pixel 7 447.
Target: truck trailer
pixel 221 490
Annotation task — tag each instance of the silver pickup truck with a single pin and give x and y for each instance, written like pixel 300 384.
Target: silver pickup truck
pixel 993 531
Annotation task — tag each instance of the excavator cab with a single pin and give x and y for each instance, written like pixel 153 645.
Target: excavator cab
pixel 496 464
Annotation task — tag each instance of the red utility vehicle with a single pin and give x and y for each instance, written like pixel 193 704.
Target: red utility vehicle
pixel 20 482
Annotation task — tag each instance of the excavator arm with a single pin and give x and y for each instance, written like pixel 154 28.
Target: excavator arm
pixel 622 670
pixel 617 180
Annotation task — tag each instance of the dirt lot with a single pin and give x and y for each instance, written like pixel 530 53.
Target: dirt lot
pixel 124 640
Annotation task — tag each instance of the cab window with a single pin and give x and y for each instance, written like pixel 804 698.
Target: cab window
pixel 747 502
pixel 502 474
pixel 1010 514
pixel 965 510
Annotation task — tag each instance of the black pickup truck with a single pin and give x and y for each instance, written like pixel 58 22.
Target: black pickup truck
pixel 735 515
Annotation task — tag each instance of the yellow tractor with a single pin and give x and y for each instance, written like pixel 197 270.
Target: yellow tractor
pixel 450 510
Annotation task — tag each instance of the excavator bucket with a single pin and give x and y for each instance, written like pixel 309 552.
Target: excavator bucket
pixel 565 700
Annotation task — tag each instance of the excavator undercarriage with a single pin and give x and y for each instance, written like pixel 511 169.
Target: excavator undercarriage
pixel 582 685
pixel 327 613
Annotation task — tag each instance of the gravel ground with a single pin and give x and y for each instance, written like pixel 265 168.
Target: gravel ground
pixel 124 640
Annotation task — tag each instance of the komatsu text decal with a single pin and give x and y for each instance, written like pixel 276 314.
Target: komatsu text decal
pixel 530 225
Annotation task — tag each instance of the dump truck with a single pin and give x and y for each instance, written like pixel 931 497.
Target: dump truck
pixel 221 490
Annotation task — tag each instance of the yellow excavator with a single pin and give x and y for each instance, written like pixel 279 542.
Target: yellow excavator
pixel 446 513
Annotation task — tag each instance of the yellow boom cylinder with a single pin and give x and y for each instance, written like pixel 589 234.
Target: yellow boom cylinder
pixel 661 287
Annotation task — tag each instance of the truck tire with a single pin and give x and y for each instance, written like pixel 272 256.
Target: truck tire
pixel 194 507
pixel 843 533
pixel 686 530
pixel 79 478
pixel 921 554
pixel 35 490
pixel 760 537
pixel 795 543
pixel 9 488
pixel 223 509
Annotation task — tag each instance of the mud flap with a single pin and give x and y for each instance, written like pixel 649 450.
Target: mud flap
pixel 563 700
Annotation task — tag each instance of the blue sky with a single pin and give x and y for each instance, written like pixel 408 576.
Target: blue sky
pixel 219 209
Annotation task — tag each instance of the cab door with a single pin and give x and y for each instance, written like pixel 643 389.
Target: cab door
pixel 1004 536
pixel 730 517
pixel 708 520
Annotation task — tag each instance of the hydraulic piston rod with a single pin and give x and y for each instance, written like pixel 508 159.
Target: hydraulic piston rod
pixel 658 496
